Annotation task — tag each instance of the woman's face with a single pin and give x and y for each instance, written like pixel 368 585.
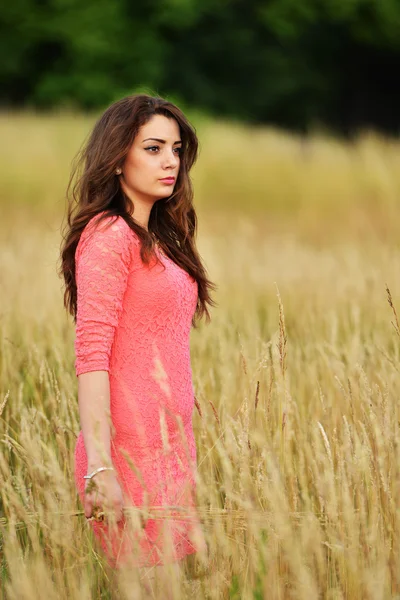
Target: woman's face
pixel 153 158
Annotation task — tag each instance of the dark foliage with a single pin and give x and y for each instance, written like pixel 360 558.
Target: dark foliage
pixel 295 64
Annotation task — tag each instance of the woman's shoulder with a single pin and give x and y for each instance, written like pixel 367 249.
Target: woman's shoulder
pixel 109 226
pixel 111 230
pixel 102 222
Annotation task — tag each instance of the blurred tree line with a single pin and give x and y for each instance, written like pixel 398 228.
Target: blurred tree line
pixel 295 63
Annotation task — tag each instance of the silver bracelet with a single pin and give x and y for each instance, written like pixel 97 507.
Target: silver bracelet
pixel 98 471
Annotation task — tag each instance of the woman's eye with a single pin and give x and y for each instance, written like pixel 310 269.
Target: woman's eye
pixel 178 151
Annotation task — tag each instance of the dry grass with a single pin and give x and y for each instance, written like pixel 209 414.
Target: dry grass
pixel 297 377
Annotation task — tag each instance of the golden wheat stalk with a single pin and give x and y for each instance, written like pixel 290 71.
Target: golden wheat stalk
pixel 395 323
pixel 181 513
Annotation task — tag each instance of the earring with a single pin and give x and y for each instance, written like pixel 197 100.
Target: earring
pixel 118 171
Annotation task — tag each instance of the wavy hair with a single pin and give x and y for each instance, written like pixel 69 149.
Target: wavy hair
pixel 94 188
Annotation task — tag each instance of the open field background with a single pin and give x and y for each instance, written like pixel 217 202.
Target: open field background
pixel 297 376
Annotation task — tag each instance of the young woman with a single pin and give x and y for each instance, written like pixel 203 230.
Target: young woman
pixel 135 284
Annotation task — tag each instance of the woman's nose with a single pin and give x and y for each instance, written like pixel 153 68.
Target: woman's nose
pixel 171 159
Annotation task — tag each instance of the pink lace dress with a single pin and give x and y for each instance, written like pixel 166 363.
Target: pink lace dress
pixel 134 321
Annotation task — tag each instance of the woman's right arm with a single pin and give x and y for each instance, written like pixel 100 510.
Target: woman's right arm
pixel 94 411
pixel 102 267
pixel 95 419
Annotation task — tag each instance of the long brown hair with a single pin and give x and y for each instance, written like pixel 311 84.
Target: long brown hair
pixel 94 188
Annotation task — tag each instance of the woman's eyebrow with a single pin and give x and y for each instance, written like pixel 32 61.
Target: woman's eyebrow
pixel 161 141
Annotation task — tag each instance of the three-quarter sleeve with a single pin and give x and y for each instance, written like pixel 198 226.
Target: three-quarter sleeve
pixel 102 266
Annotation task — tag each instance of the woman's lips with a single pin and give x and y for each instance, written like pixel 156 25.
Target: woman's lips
pixel 168 180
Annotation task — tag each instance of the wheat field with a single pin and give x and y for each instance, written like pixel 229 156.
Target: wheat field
pixel 297 377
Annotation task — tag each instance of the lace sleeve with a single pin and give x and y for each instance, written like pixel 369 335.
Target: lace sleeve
pixel 102 265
